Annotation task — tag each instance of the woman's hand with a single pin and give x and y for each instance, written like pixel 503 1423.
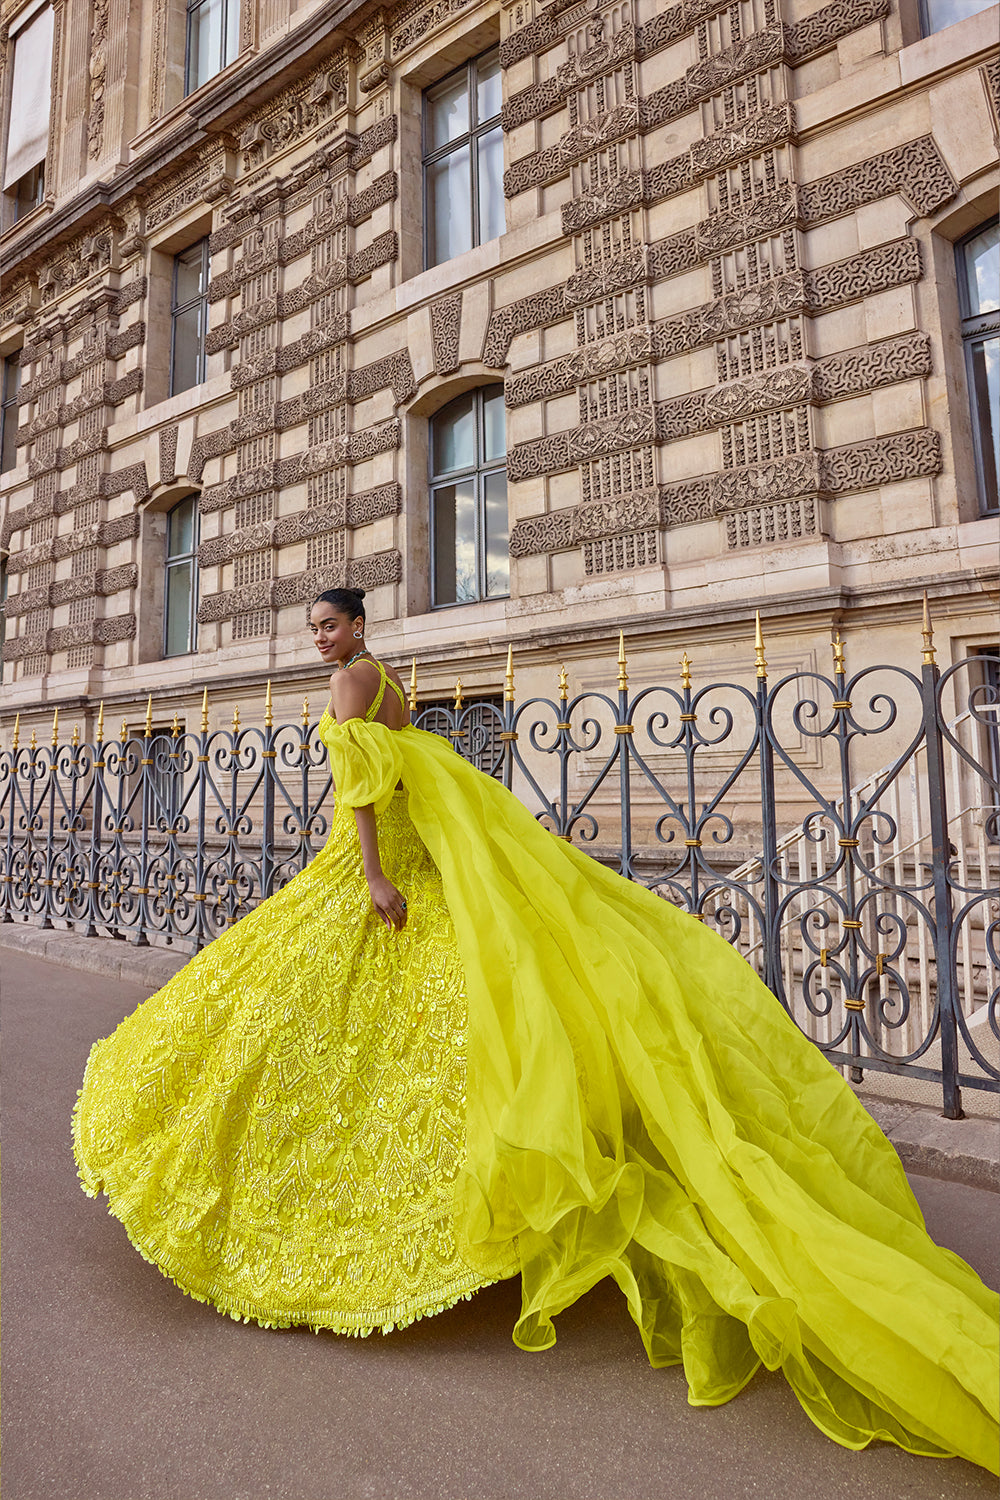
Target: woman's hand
pixel 388 902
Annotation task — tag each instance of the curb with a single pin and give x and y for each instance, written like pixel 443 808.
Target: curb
pixel 151 967
pixel 927 1144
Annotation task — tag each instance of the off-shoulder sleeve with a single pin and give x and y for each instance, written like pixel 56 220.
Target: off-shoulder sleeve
pixel 365 763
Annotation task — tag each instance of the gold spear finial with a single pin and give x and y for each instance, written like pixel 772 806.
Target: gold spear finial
pixel 508 691
pixel 305 712
pixel 758 647
pixel 123 736
pixel 17 731
pixel 268 707
pixel 839 664
pixel 175 727
pixel 685 671
pixel 149 717
pixel 100 723
pixel 622 663
pixel 563 684
pixel 75 740
pixel 55 726
pixel 34 742
pixel 413 686
pixel 236 718
pixel 928 634
pixel 458 695
pixel 204 711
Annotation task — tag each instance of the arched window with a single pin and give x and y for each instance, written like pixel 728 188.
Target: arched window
pixel 979 300
pixel 469 534
pixel 180 614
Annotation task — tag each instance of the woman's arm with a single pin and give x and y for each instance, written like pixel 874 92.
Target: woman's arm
pixel 349 701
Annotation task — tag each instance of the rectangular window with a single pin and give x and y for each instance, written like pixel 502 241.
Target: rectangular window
pixel 463 160
pixel 28 119
pixel 180 623
pixel 979 301
pixel 469 529
pixel 935 15
pixel 189 318
pixel 213 40
pixel 8 411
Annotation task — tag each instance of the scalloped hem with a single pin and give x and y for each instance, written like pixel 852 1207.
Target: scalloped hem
pixel 351 1324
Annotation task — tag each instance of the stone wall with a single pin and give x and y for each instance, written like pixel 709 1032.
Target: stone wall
pixel 723 311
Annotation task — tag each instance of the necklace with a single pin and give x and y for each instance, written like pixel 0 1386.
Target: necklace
pixel 356 657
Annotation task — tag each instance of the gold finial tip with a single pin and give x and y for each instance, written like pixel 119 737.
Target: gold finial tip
pixel 927 631
pixel 685 670
pixel 758 646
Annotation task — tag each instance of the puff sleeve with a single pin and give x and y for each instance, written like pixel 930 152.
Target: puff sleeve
pixel 365 762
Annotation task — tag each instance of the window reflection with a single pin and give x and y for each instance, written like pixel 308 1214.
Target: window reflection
pixel 979 295
pixel 469 526
pixel 463 160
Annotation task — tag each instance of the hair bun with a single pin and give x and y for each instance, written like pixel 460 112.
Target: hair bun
pixel 360 593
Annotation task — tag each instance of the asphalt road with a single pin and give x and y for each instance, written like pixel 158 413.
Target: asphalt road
pixel 116 1387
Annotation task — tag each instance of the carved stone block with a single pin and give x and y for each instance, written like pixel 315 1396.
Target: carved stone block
pixel 915 170
pixel 446 329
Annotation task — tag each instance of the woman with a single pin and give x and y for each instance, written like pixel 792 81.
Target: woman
pixel 286 1130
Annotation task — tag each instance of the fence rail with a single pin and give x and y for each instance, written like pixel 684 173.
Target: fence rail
pixel 873 916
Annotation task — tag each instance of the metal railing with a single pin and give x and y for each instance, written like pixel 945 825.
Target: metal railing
pixel 873 918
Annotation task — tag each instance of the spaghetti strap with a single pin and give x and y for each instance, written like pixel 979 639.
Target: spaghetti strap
pixel 384 680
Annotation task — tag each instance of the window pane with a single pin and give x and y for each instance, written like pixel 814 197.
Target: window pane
pixel 454 436
pixel 204 54
pixel 189 275
pixel 178 631
pixel 488 96
pixel 982 269
pixel 496 539
pixel 447 112
pixel 449 207
pixel 188 344
pixel 986 385
pixel 942 13
pixel 455 543
pixel 232 32
pixel 494 425
pixel 492 219
pixel 180 529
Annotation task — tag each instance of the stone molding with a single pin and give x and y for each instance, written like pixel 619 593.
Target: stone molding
pixel 112 393
pixel 841 470
pixel 275 593
pixel 357 510
pixel 350 448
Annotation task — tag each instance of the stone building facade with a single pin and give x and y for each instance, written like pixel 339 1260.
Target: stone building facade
pixel 728 314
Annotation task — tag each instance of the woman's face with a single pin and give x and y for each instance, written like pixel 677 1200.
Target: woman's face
pixel 333 632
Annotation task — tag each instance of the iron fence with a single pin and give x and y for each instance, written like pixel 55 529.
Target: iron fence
pixel 873 915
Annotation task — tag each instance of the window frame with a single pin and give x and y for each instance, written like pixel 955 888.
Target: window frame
pixel 180 559
pixel 190 9
pixel 470 138
pixel 9 407
pixel 177 311
pixel 974 329
pixel 924 16
pixel 477 471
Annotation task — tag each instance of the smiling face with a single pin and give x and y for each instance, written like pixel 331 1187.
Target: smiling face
pixel 333 633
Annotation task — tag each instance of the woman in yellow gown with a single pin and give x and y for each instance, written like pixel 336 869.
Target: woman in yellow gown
pixel 455 1049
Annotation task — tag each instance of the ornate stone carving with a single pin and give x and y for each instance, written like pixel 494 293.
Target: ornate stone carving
pixel 97 69
pixel 411 24
pixel 532 103
pixel 222 549
pixel 765 215
pixel 614 517
pixel 604 278
pixel 551 533
pixel 27 600
pixel 372 505
pixel 294 113
pixel 518 317
pixel 114 580
pixel 24 645
pixel 620 554
pixel 393 370
pixel 376 570
pixel 824 28
pixel 446 328
pixel 83 258
pixel 872 366
pixel 634 346
pixel 770 525
pixel 990 74
pixel 168 453
pixel 778 479
pixel 863 275
pixel 915 170
pixel 882 460
pixel 117 628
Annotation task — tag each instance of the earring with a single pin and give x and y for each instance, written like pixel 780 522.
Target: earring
pixel 358 634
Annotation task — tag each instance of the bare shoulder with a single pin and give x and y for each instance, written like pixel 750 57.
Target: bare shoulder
pixel 351 693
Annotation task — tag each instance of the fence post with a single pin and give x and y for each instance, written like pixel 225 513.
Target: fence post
pixel 947 979
pixel 624 731
pixel 267 831
pixel 769 830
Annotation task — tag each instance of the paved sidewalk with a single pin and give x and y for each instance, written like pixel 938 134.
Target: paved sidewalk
pixel 118 1388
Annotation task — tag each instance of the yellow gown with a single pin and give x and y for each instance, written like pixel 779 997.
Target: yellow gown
pixel 551 1072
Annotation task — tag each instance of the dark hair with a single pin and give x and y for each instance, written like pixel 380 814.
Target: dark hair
pixel 344 601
